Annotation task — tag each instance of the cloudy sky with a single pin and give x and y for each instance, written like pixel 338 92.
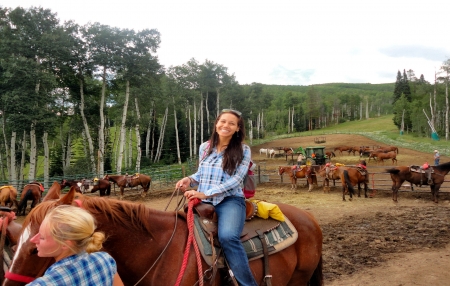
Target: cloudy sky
pixel 282 42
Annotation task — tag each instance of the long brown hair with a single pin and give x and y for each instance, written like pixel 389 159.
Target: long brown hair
pixel 234 153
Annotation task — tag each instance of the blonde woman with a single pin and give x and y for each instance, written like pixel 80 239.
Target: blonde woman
pixel 68 235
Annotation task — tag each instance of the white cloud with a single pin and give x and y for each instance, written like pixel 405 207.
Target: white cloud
pixel 283 42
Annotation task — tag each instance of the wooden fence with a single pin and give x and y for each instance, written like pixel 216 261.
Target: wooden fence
pixel 379 179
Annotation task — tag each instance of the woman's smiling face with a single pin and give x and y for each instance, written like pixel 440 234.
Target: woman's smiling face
pixel 227 125
pixel 46 245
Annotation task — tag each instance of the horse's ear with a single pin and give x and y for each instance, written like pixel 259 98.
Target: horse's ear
pixel 53 194
pixel 68 198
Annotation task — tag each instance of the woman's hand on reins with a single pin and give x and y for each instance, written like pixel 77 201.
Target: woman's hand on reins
pixel 183 184
pixel 192 194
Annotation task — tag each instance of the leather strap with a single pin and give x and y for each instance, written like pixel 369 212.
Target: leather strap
pixel 267 277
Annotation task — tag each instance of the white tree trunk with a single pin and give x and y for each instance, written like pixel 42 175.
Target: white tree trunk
pixel 161 136
pixel 12 169
pixel 86 130
pixel 250 132
pixel 130 148
pixel 22 161
pixel 446 109
pixel 8 157
pixel 46 160
pixel 195 129
pixel 68 157
pixel 201 118
pixel 367 107
pixel 33 154
pixel 147 139
pixel 207 115
pixel 101 131
pixel 122 129
pixel 176 131
pixel 190 132
pixel 217 101
pixel 138 136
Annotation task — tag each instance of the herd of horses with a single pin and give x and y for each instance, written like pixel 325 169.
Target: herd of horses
pixel 34 191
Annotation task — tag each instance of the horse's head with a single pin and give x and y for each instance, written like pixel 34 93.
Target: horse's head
pixel 26 264
pixel 280 170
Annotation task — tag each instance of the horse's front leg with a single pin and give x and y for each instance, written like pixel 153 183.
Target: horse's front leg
pixel 121 193
pixel 435 192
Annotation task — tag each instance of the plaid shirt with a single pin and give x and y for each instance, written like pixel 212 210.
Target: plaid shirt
pixel 97 268
pixel 214 181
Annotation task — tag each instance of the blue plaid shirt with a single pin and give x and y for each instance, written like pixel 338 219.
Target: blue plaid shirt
pixel 211 178
pixel 97 268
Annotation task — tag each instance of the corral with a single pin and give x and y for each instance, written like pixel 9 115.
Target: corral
pixel 369 241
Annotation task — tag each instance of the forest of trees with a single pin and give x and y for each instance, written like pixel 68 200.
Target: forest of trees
pixel 96 98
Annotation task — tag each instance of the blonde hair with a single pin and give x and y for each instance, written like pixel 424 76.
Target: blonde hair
pixel 75 224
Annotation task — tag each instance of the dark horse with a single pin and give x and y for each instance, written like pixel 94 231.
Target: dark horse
pixel 80 185
pixel 131 227
pixel 33 191
pixel 103 186
pixel 351 176
pixel 404 173
pixel 124 181
pixel 296 172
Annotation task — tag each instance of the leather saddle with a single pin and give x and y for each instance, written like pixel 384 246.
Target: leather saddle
pixel 208 221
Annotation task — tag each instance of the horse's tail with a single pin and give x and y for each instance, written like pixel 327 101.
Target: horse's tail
pixel 317 277
pixel 394 171
pixel 348 182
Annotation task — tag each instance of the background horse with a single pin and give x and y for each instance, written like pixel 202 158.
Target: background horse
pixel 385 156
pixel 350 176
pixel 78 184
pixel 33 192
pixel 327 175
pixel 8 196
pixel 295 173
pixel 330 154
pixel 124 181
pixel 403 173
pixel 102 185
pixel 342 148
pixel 130 227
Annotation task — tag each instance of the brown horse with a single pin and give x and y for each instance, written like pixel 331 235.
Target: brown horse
pixel 403 173
pixel 385 156
pixel 325 172
pixel 8 196
pixel 342 148
pixel 295 172
pixel 124 181
pixel 103 186
pixel 80 185
pixel 33 192
pixel 130 227
pixel 351 176
pixel 389 148
pixel 330 154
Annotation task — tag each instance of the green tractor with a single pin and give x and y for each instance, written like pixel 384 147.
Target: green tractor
pixel 316 156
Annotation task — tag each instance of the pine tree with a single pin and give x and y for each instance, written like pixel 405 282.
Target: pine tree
pixel 406 89
pixel 398 87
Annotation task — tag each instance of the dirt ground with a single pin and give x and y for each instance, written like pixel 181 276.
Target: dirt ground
pixel 367 241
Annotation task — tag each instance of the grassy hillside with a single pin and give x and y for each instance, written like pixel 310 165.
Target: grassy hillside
pixel 381 129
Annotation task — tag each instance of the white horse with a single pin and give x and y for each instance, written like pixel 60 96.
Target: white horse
pixel 263 151
pixel 271 153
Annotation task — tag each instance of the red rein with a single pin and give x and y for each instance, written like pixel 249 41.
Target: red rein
pixel 191 240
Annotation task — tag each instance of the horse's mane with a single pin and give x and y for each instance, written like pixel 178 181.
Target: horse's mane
pixel 128 214
pixel 443 167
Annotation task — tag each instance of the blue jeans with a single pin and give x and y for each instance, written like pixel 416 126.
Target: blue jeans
pixel 231 218
pixel 436 162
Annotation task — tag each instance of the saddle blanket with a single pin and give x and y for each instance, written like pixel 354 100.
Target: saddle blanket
pixel 276 239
